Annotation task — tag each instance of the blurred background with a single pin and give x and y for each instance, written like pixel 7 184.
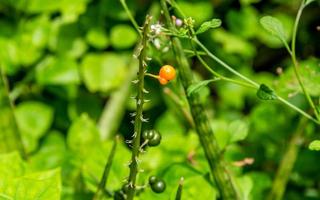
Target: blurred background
pixel 67 69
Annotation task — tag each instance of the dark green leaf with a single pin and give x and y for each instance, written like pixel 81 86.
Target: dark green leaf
pixel 265 93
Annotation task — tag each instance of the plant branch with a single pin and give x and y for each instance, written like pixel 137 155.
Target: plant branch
pixel 114 109
pixel 139 113
pixel 295 62
pixel 287 163
pixel 101 187
pixel 6 101
pixel 209 144
pixel 133 21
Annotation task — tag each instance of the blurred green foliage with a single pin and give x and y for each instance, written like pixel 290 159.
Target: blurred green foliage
pixel 64 60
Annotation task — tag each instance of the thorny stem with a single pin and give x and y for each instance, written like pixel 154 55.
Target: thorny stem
pixel 287 163
pixel 139 115
pixel 295 62
pixel 209 144
pixel 99 193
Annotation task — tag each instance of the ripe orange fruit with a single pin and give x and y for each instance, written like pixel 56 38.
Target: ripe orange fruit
pixel 167 72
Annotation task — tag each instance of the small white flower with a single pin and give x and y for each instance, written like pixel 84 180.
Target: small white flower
pixel 156 28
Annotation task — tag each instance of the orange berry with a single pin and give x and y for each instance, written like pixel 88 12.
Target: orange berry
pixel 163 81
pixel 167 72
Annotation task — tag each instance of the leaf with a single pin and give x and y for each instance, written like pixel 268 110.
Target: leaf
pixel 123 36
pixel 315 145
pixel 195 87
pixel 274 26
pixel 16 183
pixel 34 119
pixel 97 38
pixel 238 130
pixel 214 23
pixel 57 71
pixel 103 72
pixel 265 93
pixel 83 135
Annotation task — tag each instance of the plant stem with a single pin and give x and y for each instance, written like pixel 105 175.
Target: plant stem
pixel 6 101
pixel 224 64
pixel 179 191
pixel 99 193
pixel 287 163
pixel 209 144
pixel 182 107
pixel 133 21
pixel 114 110
pixel 139 115
pixel 253 83
pixel 295 62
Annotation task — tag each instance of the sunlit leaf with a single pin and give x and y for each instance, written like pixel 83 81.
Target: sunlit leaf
pixel 214 23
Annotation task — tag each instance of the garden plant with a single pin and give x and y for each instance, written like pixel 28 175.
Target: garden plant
pixel 159 99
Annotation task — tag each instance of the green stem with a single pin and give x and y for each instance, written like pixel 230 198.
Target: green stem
pixel 295 62
pixel 287 163
pixel 184 109
pixel 256 85
pixel 139 115
pixel 4 86
pixel 114 110
pixel 133 21
pixel 179 191
pixel 209 143
pixel 99 193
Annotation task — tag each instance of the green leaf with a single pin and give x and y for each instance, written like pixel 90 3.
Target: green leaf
pixel 238 130
pixel 195 87
pixel 274 26
pixel 97 38
pixel 200 11
pixel 16 183
pixel 214 23
pixel 265 93
pixel 123 36
pixel 56 71
pixel 83 135
pixel 315 145
pixel 103 72
pixel 34 119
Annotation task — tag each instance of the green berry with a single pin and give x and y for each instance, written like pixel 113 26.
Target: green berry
pixel 148 134
pixel 159 186
pixel 152 180
pixel 155 140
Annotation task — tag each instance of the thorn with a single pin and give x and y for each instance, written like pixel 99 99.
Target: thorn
pixel 134 134
pixel 144 63
pixel 138 101
pixel 128 141
pixel 132 121
pixel 135 81
pixel 141 170
pixel 146 100
pixel 133 97
pixel 145 91
pixel 133 114
pixel 148 58
pixel 137 160
pixel 143 119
